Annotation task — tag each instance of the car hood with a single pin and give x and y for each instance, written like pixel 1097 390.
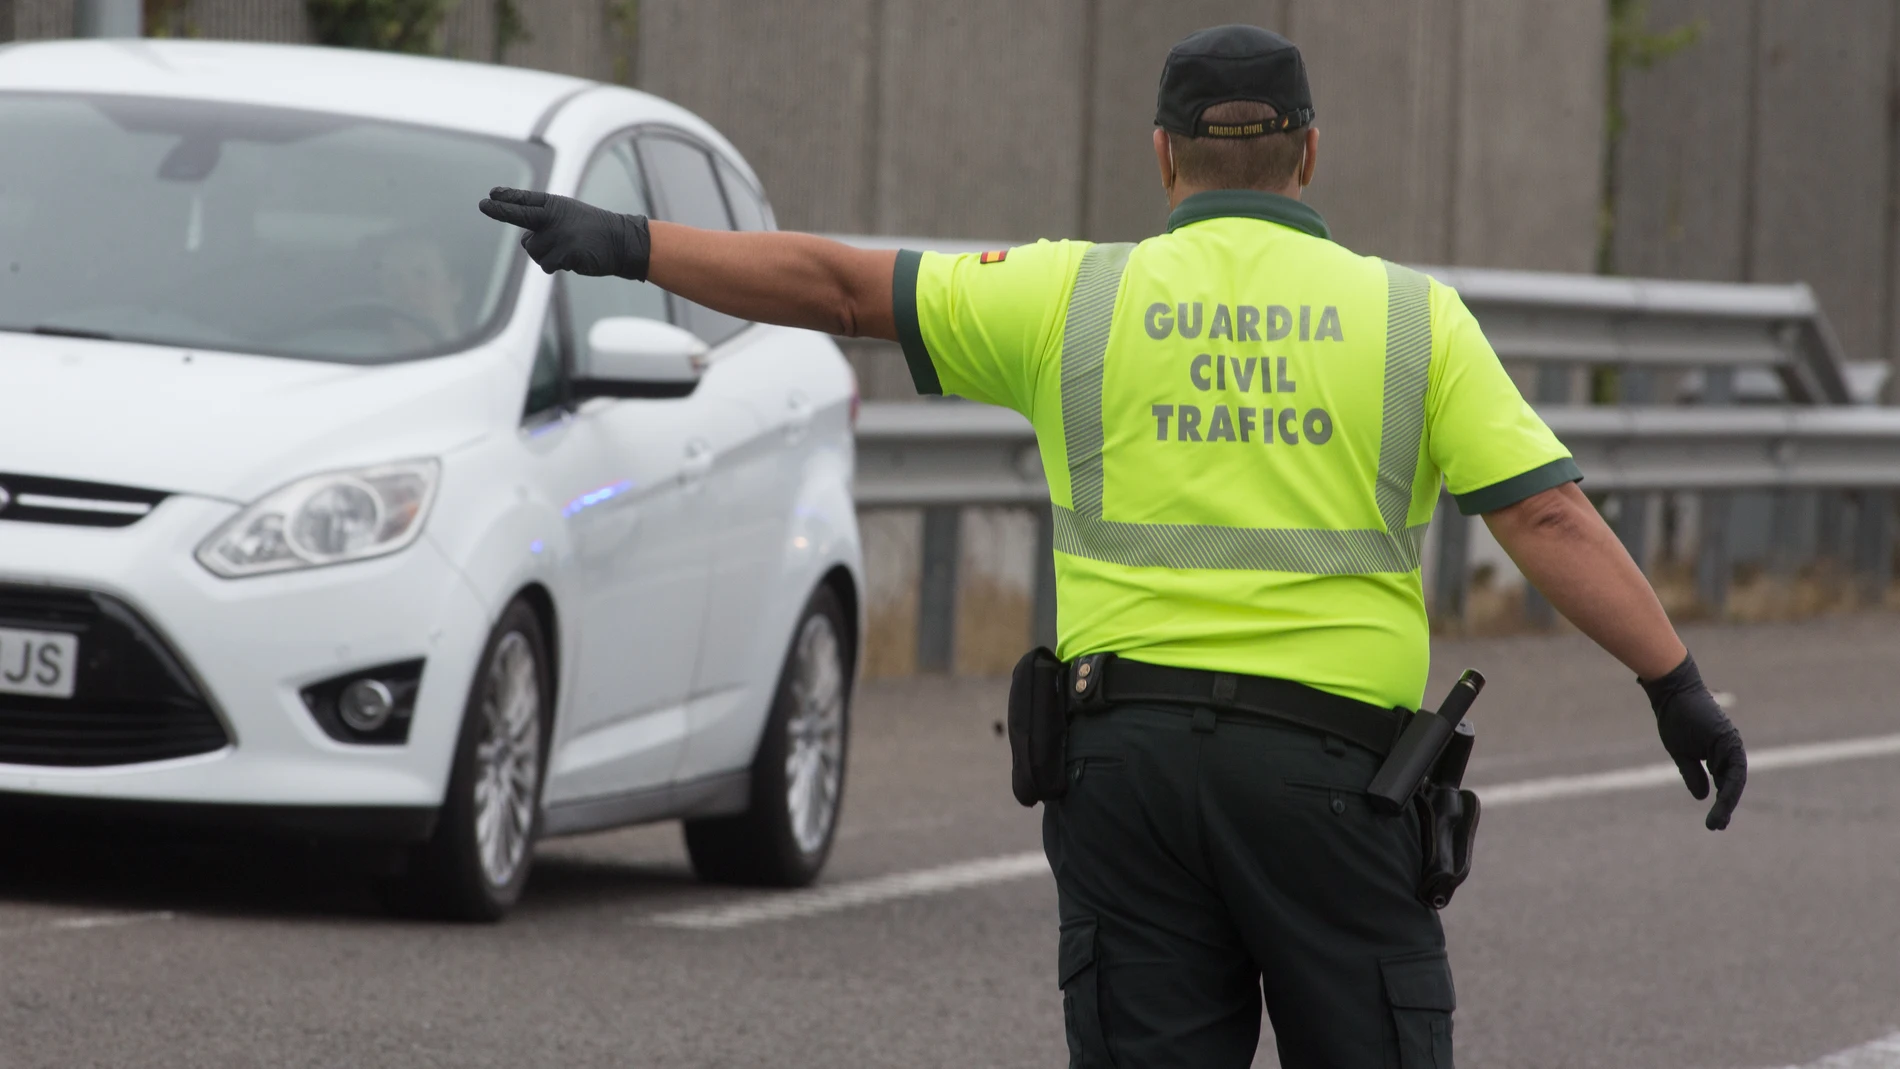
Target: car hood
pixel 220 424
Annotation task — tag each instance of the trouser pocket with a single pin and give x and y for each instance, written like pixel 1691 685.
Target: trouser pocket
pixel 1081 982
pixel 1418 990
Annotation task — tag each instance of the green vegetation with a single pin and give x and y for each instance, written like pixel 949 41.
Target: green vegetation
pixel 1632 46
pixel 387 25
pixel 510 28
pixel 623 19
pixel 402 25
pixel 167 18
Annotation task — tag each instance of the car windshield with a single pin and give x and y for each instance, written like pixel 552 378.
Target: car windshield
pixel 250 229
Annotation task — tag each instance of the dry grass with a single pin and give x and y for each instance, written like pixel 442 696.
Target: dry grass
pixel 1754 597
pixel 992 626
pixel 890 642
pixel 993 618
pixel 993 621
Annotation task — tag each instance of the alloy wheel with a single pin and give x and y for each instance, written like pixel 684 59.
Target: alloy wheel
pixel 508 759
pixel 814 758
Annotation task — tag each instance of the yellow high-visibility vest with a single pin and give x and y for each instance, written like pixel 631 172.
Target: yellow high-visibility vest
pixel 1244 428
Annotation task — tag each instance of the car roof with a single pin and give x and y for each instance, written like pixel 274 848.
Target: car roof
pixel 476 97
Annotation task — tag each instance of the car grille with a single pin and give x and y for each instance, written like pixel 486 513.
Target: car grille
pixel 133 700
pixel 40 499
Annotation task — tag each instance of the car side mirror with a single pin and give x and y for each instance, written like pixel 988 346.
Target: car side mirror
pixel 633 357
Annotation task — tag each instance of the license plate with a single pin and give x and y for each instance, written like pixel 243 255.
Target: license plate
pixel 41 663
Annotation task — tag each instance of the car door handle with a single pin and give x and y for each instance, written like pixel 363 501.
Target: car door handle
pixel 798 413
pixel 698 462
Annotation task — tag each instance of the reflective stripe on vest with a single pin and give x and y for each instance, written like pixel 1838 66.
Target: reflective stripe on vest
pixel 1081 531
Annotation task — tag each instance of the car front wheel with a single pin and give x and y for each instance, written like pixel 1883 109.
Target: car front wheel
pixel 476 864
pixel 783 839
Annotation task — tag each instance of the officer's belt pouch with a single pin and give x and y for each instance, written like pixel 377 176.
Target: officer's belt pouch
pixel 1038 725
pixel 1448 819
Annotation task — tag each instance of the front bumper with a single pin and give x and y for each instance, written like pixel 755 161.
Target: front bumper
pixel 52 813
pixel 249 646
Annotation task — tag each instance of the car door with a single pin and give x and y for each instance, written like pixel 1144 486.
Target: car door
pixel 640 554
pixel 745 432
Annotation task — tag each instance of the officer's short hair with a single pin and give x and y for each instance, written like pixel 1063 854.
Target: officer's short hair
pixel 1268 162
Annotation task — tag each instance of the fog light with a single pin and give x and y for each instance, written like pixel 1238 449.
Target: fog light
pixel 368 706
pixel 365 705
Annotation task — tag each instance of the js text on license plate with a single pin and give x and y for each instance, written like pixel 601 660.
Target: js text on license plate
pixel 41 663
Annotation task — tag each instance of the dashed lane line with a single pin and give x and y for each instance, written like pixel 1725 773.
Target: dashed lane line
pixel 1882 1053
pixel 88 922
pixel 851 894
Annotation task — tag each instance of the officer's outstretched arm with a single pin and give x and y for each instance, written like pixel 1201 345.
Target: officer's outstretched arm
pixel 793 280
pixel 1572 557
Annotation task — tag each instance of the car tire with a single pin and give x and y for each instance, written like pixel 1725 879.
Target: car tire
pixel 474 866
pixel 784 837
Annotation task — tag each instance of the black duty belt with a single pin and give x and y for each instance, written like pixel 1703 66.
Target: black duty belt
pixel 1260 696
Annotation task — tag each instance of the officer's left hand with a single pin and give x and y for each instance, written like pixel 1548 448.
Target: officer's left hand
pixel 1694 730
pixel 565 234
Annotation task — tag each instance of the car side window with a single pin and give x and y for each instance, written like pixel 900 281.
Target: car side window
pixel 612 182
pixel 749 209
pixel 689 193
pixel 545 392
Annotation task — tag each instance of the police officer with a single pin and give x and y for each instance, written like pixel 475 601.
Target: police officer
pixel 1244 428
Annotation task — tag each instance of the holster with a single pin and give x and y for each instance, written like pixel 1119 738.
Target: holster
pixel 1448 823
pixel 1043 694
pixel 1448 826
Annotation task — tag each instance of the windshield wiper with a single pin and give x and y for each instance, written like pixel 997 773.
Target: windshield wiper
pixel 73 332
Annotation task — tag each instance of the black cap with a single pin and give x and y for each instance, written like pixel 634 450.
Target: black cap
pixel 1233 63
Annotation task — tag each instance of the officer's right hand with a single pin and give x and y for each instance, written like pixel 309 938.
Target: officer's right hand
pixel 564 234
pixel 1694 730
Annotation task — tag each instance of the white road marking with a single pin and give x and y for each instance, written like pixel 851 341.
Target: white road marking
pixel 852 894
pixel 89 922
pixel 1882 1053
pixel 1629 779
pixel 855 893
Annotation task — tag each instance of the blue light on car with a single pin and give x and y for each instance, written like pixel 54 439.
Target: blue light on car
pixel 535 546
pixel 594 497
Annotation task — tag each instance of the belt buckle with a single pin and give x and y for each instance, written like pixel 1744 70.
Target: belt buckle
pixel 1087 690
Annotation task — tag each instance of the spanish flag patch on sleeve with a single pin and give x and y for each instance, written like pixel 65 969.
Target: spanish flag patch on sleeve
pixel 995 257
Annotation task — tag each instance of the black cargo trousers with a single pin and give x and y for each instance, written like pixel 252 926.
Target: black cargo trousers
pixel 1202 860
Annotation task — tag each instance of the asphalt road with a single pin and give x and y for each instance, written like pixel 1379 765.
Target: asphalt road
pixel 1604 926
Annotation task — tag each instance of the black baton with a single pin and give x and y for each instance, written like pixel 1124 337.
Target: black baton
pixel 1420 745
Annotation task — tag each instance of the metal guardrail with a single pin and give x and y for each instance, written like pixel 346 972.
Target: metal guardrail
pixel 1555 320
pixel 942 456
pixel 1656 324
pixel 1822 446
pixel 1624 449
pixel 954 453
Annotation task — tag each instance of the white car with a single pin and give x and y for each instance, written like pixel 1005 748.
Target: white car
pixel 319 504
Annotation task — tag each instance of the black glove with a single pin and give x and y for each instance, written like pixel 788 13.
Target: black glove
pixel 1694 729
pixel 566 235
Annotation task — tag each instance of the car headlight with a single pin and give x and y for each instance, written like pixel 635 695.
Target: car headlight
pixel 325 519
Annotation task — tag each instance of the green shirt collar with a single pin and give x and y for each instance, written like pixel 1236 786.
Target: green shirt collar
pixel 1250 204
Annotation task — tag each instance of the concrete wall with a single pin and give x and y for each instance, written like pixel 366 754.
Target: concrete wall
pixel 1452 130
pixel 1766 151
pixel 1462 131
pixel 810 66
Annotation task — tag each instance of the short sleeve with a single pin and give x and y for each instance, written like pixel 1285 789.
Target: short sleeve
pixel 979 325
pixel 1492 446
